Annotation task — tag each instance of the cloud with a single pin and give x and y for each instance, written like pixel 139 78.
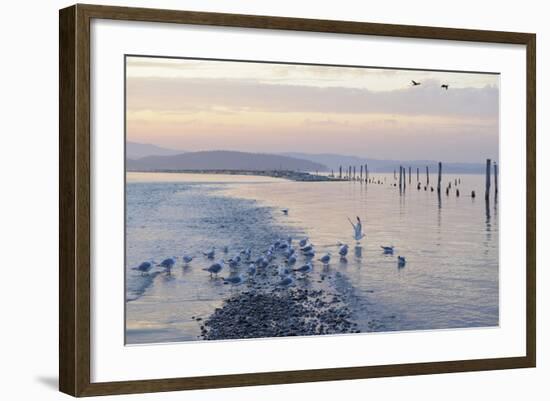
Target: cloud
pixel 182 95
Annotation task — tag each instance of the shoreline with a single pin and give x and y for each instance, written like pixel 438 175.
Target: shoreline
pixel 284 174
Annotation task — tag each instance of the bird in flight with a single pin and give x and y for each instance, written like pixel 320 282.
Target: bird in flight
pixel 445 86
pixel 414 83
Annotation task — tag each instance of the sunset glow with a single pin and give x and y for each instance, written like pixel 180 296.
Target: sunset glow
pixel 258 107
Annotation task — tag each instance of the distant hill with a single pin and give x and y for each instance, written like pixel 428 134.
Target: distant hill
pixel 223 160
pixel 136 150
pixel 334 161
pixel 141 156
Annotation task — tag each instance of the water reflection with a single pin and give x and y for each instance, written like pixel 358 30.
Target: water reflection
pixel 450 280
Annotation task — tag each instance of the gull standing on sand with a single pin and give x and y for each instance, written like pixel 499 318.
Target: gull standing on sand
pixel 283 245
pixel 357 229
pixel 307 248
pixel 289 252
pixel 387 249
pixel 246 252
pixel 285 211
pixel 283 271
pixel 143 267
pixel 211 253
pixel 401 261
pixel 215 268
pixel 233 280
pixel 263 262
pixel 187 259
pixel 305 268
pixel 291 260
pixel 325 259
pixel 168 263
pixel 251 269
pixel 310 253
pixel 303 242
pixel 286 281
pixel 343 251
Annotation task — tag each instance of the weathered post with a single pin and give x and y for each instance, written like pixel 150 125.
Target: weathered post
pixel 427 176
pixel 417 174
pixel 366 172
pixel 349 173
pixel 340 172
pixel 353 173
pixel 496 180
pixel 361 174
pixel 400 177
pixel 487 179
pixel 404 178
pixel 394 174
pixel 439 178
pixel 409 174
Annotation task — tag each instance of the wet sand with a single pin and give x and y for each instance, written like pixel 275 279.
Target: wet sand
pixel 310 306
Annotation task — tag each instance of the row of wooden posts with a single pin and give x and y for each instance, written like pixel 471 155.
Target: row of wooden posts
pixel 351 175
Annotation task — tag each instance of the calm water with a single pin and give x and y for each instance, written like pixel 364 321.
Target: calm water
pixel 451 246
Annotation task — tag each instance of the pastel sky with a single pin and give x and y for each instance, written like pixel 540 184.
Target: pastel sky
pixel 263 107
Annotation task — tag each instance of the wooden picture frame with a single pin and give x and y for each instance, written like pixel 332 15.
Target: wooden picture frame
pixel 74 199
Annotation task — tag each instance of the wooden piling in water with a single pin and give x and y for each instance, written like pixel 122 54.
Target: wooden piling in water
pixel 400 177
pixel 394 177
pixel 439 167
pixel 427 176
pixel 417 174
pixel 349 173
pixel 496 180
pixel 487 179
pixel 340 172
pixel 404 178
pixel 366 172
pixel 409 174
pixel 353 173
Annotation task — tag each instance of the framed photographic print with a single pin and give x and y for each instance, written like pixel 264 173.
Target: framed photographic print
pixel 250 200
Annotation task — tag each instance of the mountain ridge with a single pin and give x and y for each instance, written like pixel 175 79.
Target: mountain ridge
pixel 321 161
pixel 223 160
pixel 334 161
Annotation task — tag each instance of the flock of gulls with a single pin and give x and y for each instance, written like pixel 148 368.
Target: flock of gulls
pixel 284 247
pixel 287 249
